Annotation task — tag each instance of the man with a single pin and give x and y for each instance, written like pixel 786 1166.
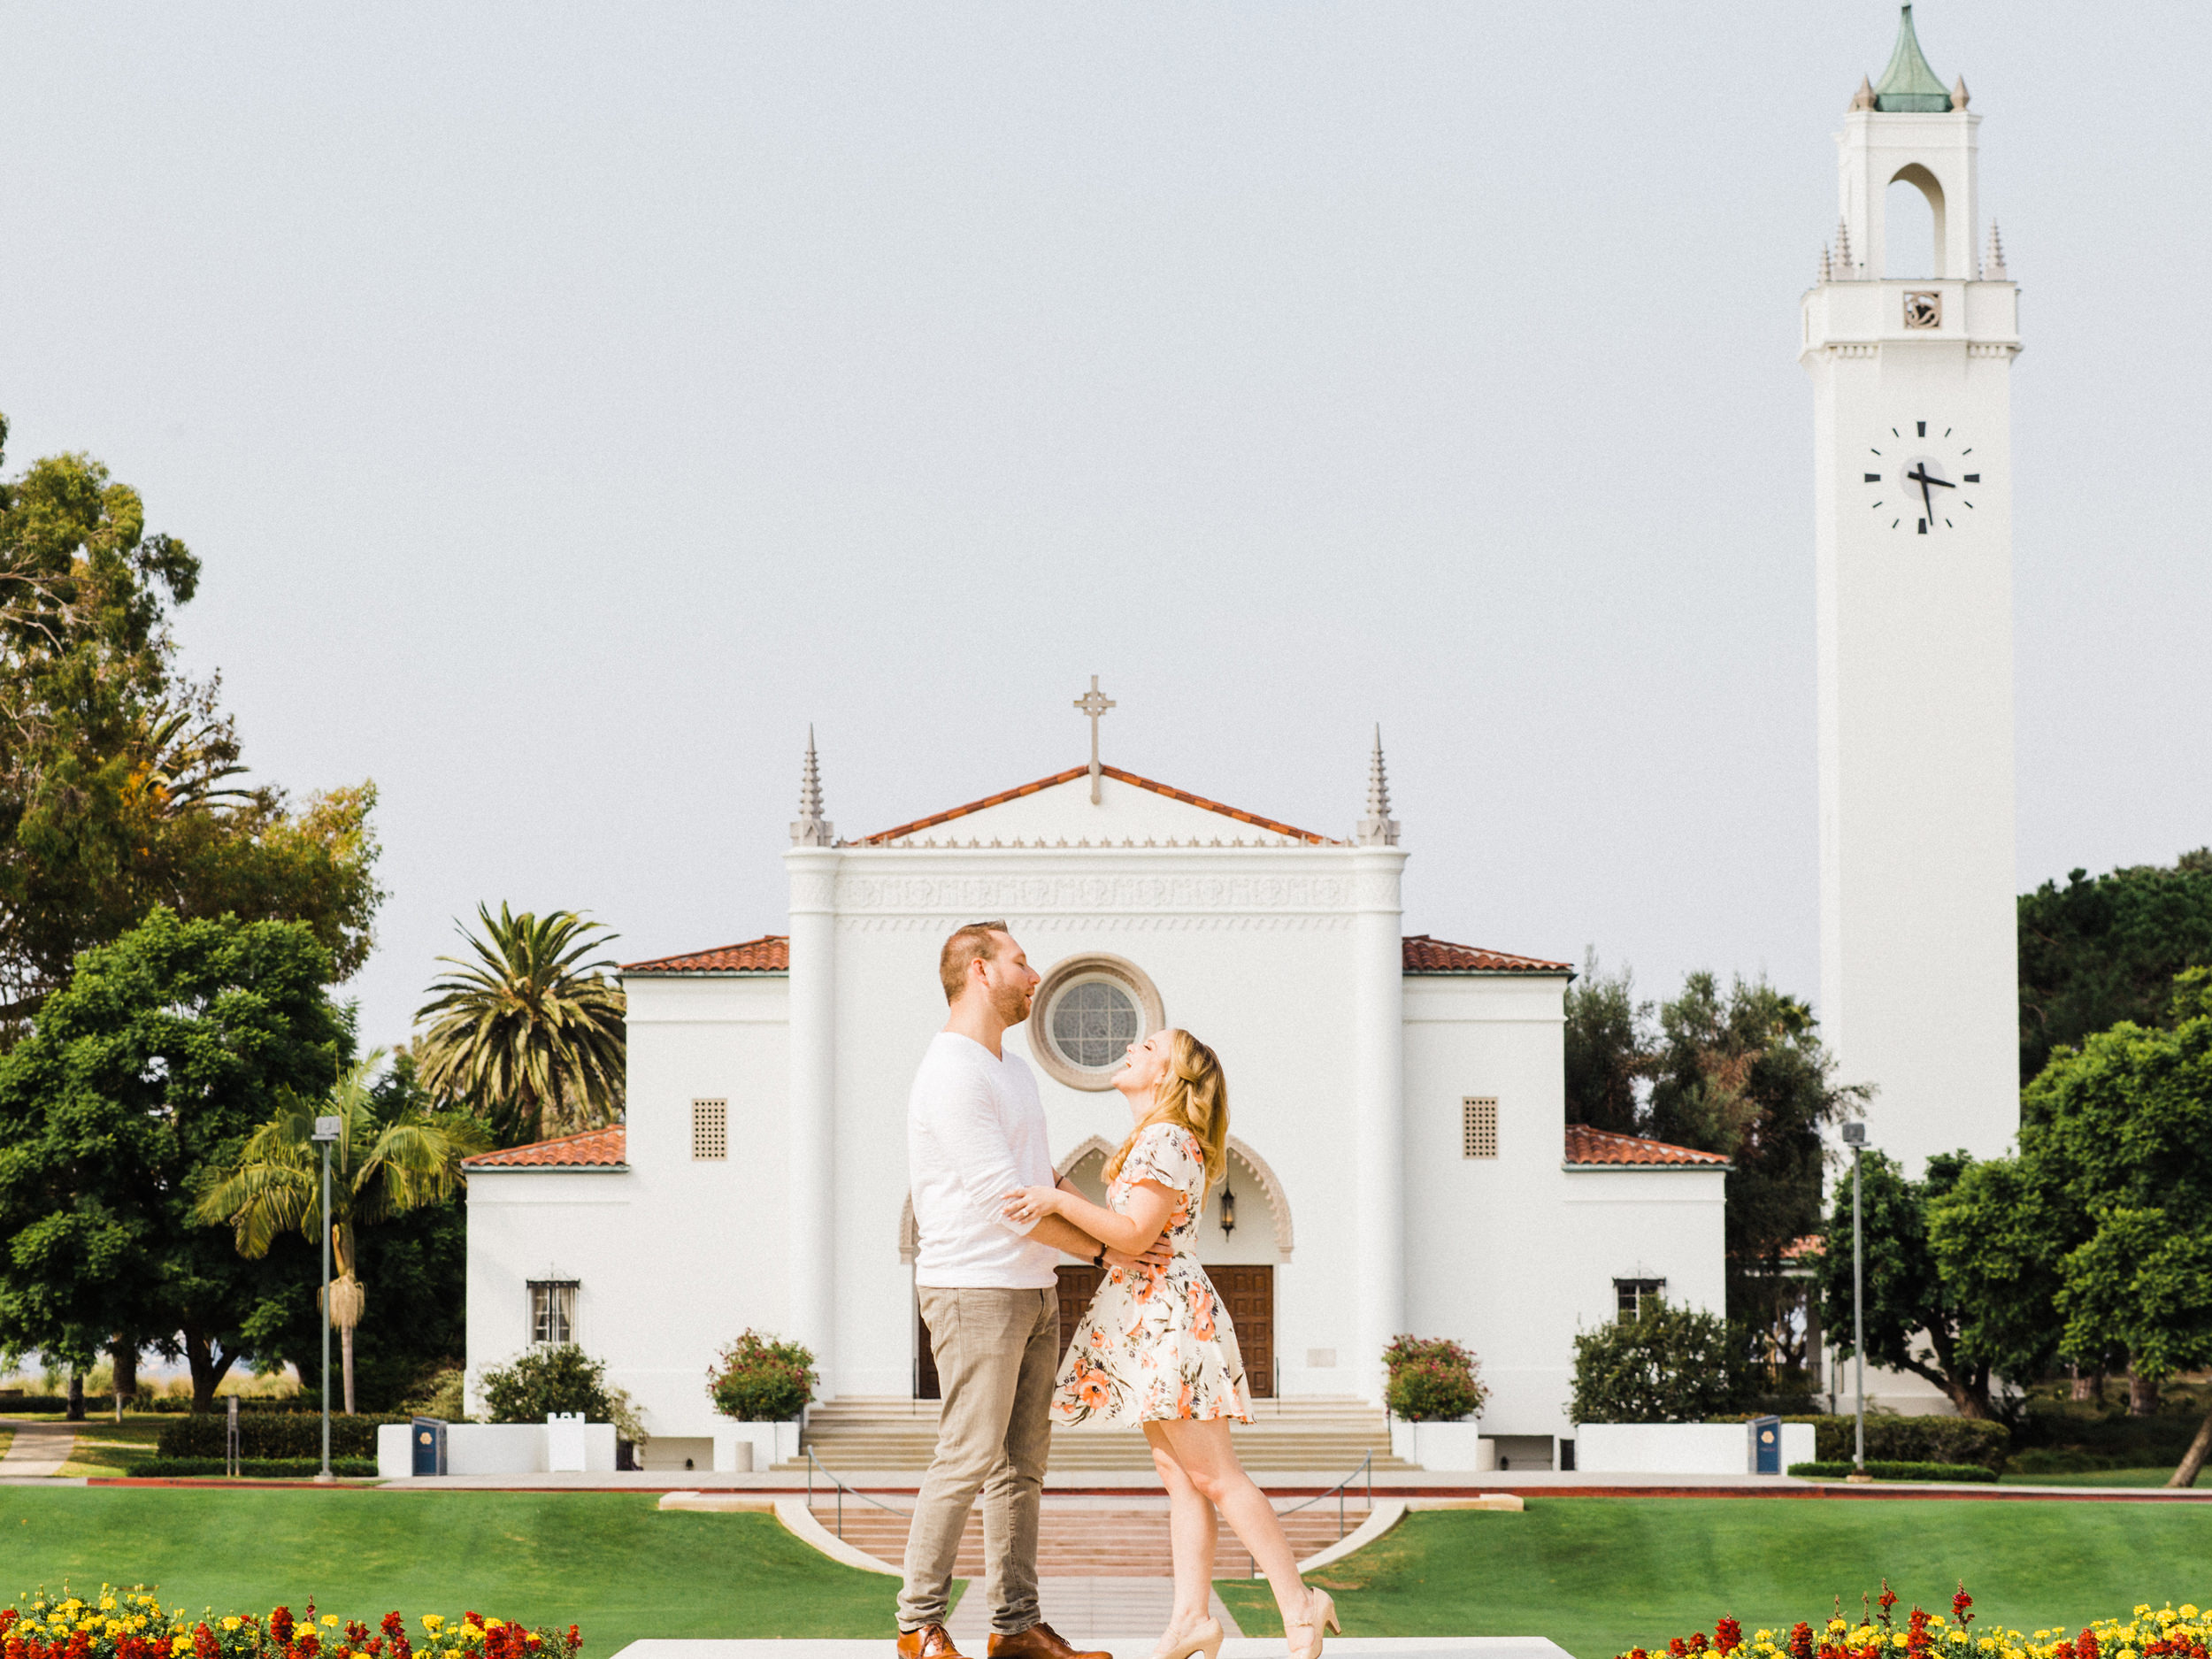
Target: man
pixel 975 1132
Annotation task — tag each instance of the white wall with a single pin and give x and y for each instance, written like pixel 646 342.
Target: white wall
pixel 1513 1256
pixel 675 1258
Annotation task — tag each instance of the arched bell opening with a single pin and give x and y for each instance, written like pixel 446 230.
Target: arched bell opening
pixel 1913 242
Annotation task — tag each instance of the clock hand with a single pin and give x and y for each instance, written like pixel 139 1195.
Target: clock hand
pixel 1921 474
pixel 1927 503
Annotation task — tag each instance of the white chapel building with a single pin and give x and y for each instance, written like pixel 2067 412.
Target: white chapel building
pixel 1400 1156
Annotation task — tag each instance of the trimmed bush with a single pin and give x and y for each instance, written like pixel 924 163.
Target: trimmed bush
pixel 1432 1380
pixel 1670 1365
pixel 278 1434
pixel 38 1403
pixel 759 1380
pixel 1928 1440
pixel 555 1377
pixel 1897 1472
pixel 253 1468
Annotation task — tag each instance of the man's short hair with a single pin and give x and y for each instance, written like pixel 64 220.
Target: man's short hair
pixel 975 943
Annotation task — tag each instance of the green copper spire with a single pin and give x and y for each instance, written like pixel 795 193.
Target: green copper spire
pixel 1909 83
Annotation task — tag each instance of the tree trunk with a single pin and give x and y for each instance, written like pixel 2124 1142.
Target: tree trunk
pixel 2084 1382
pixel 2192 1460
pixel 207 1371
pixel 345 1350
pixel 75 1413
pixel 2142 1395
pixel 123 1354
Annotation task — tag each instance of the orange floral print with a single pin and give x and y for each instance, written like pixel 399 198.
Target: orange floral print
pixel 1156 1343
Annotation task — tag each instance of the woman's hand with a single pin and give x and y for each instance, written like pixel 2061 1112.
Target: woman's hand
pixel 1032 1203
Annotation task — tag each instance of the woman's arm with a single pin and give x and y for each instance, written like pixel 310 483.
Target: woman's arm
pixel 1150 1204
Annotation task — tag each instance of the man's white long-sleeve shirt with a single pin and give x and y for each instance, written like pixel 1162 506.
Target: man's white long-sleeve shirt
pixel 975 1131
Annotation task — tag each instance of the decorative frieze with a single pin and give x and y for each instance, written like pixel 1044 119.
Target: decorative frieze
pixel 992 894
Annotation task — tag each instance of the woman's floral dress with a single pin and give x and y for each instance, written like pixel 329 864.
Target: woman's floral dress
pixel 1156 1345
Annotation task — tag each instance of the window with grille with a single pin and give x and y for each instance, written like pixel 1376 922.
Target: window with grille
pixel 710 1129
pixel 1479 1126
pixel 553 1310
pixel 1632 1296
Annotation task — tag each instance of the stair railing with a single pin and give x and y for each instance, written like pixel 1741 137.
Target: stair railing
pixel 814 1463
pixel 1366 1470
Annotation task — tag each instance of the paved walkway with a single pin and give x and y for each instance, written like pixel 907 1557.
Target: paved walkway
pixel 1116 1613
pixel 38 1451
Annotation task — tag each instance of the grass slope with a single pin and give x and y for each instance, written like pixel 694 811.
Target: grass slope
pixel 1601 1575
pixel 606 1561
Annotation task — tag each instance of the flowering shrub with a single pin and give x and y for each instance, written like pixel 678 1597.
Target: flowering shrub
pixel 134 1624
pixel 2181 1632
pixel 1432 1380
pixel 759 1380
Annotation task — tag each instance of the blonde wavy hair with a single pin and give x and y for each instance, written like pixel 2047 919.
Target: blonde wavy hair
pixel 1194 1095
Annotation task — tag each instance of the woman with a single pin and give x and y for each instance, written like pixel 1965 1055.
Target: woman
pixel 1157 1351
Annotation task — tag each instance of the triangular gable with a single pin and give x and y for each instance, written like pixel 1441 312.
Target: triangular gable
pixel 1131 808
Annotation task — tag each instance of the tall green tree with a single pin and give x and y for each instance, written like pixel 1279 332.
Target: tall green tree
pixel 140 1083
pixel 2118 1134
pixel 2105 949
pixel 1744 1074
pixel 1607 1040
pixel 121 780
pixel 527 1032
pixel 390 1157
pixel 1913 1315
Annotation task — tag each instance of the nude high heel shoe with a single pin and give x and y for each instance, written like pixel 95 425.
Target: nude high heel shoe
pixel 1204 1639
pixel 1320 1611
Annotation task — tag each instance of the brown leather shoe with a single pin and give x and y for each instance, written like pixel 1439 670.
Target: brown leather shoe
pixel 931 1641
pixel 1040 1641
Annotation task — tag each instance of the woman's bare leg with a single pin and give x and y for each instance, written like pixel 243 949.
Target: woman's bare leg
pixel 1203 1452
pixel 1192 1533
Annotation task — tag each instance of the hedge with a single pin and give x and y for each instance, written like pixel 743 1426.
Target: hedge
pixel 43 1403
pixel 272 1434
pixel 1928 1440
pixel 252 1468
pixel 1897 1472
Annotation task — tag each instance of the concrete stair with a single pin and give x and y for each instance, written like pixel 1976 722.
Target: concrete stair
pixel 1311 1436
pixel 1087 1543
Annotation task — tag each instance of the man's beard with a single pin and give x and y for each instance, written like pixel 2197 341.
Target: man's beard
pixel 1010 1003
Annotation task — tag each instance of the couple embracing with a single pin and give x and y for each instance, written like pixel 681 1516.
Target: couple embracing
pixel 1155 1352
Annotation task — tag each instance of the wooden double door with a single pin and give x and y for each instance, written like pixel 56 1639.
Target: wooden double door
pixel 1247 1292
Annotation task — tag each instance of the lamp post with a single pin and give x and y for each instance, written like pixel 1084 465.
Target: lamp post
pixel 1854 1137
pixel 326 1136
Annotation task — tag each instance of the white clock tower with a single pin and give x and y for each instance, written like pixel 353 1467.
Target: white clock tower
pixel 1912 439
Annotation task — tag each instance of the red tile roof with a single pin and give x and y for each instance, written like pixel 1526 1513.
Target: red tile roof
pixel 769 954
pixel 593 1150
pixel 1119 775
pixel 1586 1145
pixel 1424 955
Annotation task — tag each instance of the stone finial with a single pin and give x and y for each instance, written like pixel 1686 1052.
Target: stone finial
pixel 1843 250
pixel 1378 828
pixel 1827 268
pixel 1993 261
pixel 811 828
pixel 1864 98
pixel 1959 94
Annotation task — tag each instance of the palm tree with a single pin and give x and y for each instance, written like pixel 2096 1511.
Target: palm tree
pixel 528 1033
pixel 390 1157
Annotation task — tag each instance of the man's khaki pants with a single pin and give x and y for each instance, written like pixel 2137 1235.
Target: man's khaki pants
pixel 997 1353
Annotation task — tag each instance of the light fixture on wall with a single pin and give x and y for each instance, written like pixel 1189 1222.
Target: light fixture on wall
pixel 1228 1210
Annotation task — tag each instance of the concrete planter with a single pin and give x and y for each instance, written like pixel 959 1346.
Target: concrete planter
pixel 1681 1448
pixel 505 1449
pixel 742 1447
pixel 1458 1446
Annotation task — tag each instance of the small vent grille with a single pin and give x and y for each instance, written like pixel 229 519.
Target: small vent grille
pixel 1479 1126
pixel 710 1130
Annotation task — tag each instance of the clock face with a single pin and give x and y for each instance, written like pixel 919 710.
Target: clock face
pixel 1926 480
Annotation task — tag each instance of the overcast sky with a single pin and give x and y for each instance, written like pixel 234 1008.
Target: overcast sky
pixel 571 404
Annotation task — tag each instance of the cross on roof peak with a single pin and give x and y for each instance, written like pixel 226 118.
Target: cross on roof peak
pixel 1094 704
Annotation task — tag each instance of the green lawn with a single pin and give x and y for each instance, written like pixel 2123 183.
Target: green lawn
pixel 1601 1575
pixel 606 1561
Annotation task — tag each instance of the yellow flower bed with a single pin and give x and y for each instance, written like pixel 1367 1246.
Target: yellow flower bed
pixel 2180 1632
pixel 134 1624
